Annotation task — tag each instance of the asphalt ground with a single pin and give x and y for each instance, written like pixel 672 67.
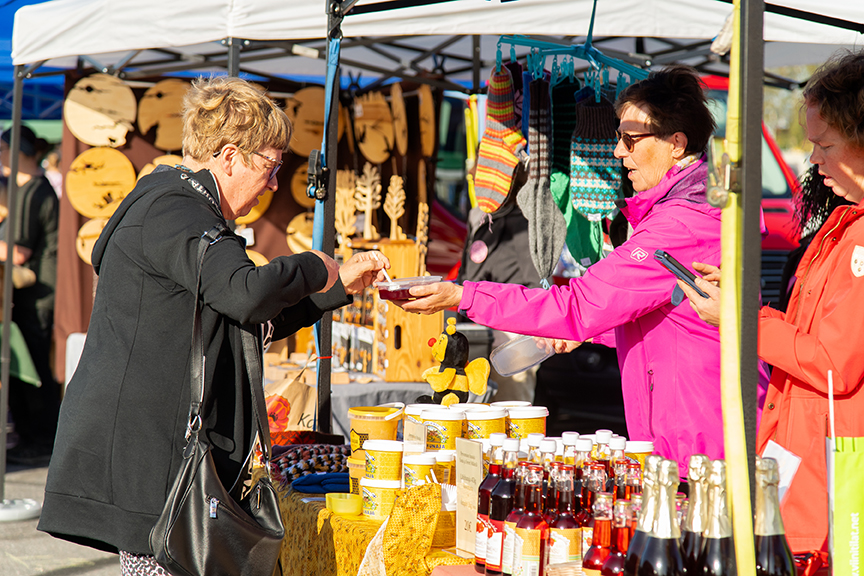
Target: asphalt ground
pixel 24 551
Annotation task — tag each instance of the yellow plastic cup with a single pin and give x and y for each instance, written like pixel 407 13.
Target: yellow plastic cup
pixel 526 420
pixel 383 459
pixel 416 467
pixel 443 426
pixel 378 497
pixel 481 422
pixel 356 471
pixel 374 423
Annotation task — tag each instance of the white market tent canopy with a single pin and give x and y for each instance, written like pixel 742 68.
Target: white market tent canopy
pixel 62 30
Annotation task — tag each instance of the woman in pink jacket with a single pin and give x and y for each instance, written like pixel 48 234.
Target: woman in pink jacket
pixel 669 359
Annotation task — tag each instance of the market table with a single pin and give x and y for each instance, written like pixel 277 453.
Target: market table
pixel 320 543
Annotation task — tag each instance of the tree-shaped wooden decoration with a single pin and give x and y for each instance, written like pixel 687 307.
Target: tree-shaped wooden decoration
pixel 367 198
pixel 422 235
pixel 394 206
pixel 345 216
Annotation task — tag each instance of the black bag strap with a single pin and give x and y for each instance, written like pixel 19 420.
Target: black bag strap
pixel 196 379
pixel 251 356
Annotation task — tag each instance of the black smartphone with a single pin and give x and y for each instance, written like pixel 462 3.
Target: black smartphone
pixel 678 270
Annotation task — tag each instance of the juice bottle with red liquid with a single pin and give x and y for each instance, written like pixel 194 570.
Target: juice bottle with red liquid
pixel 618 463
pixel 496 460
pixel 622 513
pixel 501 503
pixel 507 559
pixel 548 447
pixel 593 483
pixel 569 440
pixel 529 551
pixel 647 514
pixel 773 555
pixel 550 502
pixel 583 456
pixel 634 478
pixel 565 533
pixel 661 554
pixel 602 452
pixel 601 541
pixel 694 522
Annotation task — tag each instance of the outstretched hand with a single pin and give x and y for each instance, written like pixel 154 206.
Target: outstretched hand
pixel 708 309
pixel 362 269
pixel 561 346
pixel 431 298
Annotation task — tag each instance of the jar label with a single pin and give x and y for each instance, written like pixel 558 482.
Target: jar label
pixel 495 545
pixel 507 548
pixel 480 538
pixel 529 543
pixel 565 545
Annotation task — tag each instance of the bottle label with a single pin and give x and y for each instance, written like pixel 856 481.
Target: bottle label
pixel 565 545
pixel 507 548
pixel 480 539
pixel 495 545
pixel 587 539
pixel 529 543
pixel 589 572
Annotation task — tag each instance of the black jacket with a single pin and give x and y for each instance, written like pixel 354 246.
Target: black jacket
pixel 122 421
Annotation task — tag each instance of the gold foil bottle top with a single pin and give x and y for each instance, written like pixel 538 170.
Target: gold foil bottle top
pixel 697 511
pixel 666 523
pixel 768 519
pixel 649 494
pixel 697 467
pixel 719 523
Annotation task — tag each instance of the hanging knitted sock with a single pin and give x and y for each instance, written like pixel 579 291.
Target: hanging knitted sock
pixel 515 69
pixel 584 238
pixel 595 173
pixel 501 145
pixel 546 226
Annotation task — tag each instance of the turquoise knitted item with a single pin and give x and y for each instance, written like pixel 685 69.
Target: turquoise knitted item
pixel 595 173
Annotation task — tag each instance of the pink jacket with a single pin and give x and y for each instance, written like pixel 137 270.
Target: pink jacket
pixel 669 358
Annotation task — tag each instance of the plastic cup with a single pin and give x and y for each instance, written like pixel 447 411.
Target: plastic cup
pixel 399 289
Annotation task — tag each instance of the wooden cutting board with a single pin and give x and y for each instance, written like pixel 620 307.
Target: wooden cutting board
pixel 298 186
pixel 299 232
pixel 373 127
pixel 306 110
pixel 98 180
pixel 258 210
pixel 162 106
pixel 426 104
pixel 87 236
pixel 400 121
pixel 99 110
pixel 166 160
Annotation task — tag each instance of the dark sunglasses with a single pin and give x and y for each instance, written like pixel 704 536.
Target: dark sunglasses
pixel 630 140
pixel 273 171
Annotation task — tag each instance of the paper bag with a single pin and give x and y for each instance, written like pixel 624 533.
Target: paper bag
pixel 291 405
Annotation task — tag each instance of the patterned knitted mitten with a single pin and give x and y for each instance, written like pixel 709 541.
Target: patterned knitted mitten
pixel 500 146
pixel 595 173
pixel 547 228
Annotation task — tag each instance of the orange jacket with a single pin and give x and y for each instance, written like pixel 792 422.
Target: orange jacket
pixel 823 329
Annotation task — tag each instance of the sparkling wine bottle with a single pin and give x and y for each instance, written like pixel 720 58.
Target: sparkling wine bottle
pixel 718 550
pixel 647 514
pixel 661 554
pixel 694 522
pixel 773 555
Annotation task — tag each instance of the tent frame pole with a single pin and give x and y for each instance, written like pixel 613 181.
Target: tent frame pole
pixel 5 358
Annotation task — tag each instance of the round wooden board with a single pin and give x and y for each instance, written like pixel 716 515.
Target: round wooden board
pixel 87 236
pixel 400 121
pixel 162 106
pixel 166 160
pixel 99 110
pixel 298 186
pixel 427 120
pixel 373 127
pixel 98 180
pixel 256 257
pixel 257 210
pixel 306 110
pixel 299 232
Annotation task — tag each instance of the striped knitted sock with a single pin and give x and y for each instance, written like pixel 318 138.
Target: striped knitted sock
pixel 546 226
pixel 500 146
pixel 595 173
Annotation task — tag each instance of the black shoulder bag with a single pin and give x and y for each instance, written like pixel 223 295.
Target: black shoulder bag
pixel 202 530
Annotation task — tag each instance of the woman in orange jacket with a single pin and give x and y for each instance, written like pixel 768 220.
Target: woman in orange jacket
pixel 823 326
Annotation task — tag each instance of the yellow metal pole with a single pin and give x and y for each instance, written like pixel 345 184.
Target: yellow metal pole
pixel 737 477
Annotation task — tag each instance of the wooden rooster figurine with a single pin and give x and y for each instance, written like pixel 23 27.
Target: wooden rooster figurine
pixel 455 376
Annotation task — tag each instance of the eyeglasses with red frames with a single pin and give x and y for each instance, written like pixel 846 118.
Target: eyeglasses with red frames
pixel 630 140
pixel 273 171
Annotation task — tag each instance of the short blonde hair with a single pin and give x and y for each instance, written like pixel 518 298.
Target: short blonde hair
pixel 223 110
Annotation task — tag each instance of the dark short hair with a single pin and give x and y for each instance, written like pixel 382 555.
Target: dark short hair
pixel 675 100
pixel 836 89
pixel 30 144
